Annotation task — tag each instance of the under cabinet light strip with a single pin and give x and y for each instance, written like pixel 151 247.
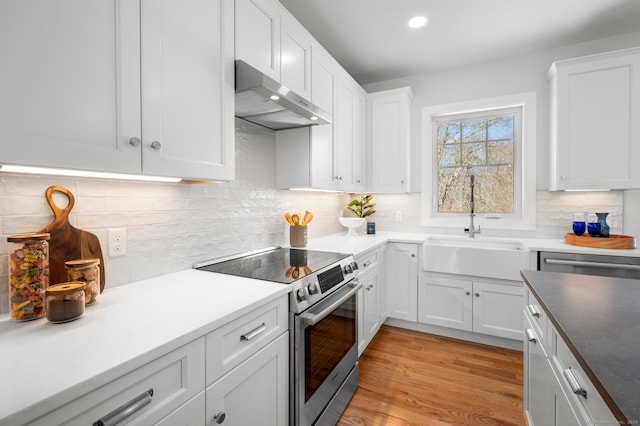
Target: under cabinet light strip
pixel 9 168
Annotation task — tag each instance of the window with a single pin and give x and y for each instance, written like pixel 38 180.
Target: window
pixel 485 142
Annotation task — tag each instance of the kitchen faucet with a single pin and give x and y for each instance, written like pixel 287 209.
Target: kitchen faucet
pixel 472 229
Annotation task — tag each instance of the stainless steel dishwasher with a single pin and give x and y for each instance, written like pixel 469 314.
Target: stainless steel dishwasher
pixel 590 264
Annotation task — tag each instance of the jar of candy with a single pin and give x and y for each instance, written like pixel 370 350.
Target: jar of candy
pixel 65 301
pixel 87 271
pixel 28 275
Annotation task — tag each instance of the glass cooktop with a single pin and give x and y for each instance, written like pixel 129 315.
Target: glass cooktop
pixel 281 265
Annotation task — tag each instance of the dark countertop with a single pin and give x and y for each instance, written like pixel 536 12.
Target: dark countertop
pixel 599 319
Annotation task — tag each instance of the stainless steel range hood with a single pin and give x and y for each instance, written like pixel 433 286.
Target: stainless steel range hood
pixel 262 100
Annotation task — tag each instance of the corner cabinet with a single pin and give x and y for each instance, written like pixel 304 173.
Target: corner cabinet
pixel 128 87
pixel 389 140
pixel 595 134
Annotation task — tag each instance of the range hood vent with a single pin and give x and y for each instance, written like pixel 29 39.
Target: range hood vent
pixel 262 100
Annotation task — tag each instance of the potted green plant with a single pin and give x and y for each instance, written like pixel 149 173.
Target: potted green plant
pixel 361 207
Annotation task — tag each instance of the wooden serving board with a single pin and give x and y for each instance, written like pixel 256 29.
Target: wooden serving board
pixel 68 242
pixel 613 242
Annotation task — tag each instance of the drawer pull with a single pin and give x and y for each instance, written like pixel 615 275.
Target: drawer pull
pixel 367 263
pixel 126 410
pixel 254 333
pixel 531 336
pixel 576 387
pixel 533 311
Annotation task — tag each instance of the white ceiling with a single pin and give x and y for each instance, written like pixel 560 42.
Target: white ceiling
pixel 370 38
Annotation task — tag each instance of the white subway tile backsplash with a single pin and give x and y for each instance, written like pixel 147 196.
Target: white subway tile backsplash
pixel 171 226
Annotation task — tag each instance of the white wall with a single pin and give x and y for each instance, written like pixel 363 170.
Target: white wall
pixel 171 226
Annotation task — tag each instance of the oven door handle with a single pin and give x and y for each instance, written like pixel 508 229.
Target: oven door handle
pixel 312 319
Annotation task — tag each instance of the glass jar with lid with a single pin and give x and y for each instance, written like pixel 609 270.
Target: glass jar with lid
pixel 28 275
pixel 87 271
pixel 65 301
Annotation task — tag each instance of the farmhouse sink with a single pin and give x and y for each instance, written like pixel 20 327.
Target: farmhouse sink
pixel 482 257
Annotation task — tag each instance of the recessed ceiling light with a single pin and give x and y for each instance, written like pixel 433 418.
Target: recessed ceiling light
pixel 274 97
pixel 418 21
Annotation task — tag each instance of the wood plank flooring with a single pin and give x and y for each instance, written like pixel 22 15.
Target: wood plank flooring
pixel 411 378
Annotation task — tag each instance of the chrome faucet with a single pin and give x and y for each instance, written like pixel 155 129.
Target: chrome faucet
pixel 472 229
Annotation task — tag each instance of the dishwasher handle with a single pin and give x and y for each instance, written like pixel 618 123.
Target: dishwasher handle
pixel 592 264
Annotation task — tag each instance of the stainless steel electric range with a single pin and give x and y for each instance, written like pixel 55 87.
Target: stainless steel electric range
pixel 323 324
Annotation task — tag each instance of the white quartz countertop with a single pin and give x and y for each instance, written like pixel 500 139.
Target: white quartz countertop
pixel 45 365
pixel 360 243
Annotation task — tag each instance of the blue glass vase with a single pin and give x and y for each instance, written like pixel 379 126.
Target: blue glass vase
pixel 604 227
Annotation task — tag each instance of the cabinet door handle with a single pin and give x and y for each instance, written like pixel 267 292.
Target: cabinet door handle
pixel 156 145
pixel 533 310
pixel 367 263
pixel 219 417
pixel 369 287
pixel 531 336
pixel 126 410
pixel 135 141
pixel 253 333
pixel 576 387
pixel 468 293
pixel 477 294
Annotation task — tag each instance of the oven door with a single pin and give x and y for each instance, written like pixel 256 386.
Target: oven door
pixel 325 350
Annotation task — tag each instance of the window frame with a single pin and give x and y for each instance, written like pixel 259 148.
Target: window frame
pixel 524 216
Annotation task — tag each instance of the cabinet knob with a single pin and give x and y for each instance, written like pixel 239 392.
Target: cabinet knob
pixel 219 417
pixel 477 294
pixel 413 255
pixel 468 293
pixel 563 178
pixel 402 181
pixel 156 145
pixel 339 177
pixel 358 181
pixel 135 141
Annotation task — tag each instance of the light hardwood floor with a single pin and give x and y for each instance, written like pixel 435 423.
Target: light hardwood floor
pixel 411 378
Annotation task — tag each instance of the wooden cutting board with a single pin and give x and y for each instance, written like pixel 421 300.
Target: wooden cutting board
pixel 68 242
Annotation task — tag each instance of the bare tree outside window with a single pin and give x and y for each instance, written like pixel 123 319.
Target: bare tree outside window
pixel 482 145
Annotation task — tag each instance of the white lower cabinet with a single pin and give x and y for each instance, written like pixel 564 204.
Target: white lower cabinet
pixel 401 275
pixel 239 371
pixel 254 393
pixel 371 299
pixel 190 414
pixel 557 390
pixel 144 396
pixel 479 305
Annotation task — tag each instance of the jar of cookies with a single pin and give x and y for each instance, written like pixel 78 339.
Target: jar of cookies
pixel 87 271
pixel 65 301
pixel 28 275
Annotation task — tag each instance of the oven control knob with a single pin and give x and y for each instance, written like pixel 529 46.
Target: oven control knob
pixel 300 294
pixel 313 288
pixel 347 269
pixel 354 266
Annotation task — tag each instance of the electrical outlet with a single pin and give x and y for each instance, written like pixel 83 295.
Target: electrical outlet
pixel 398 215
pixel 117 242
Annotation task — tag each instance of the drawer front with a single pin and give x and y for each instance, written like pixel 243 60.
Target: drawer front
pixel 578 386
pixel 231 344
pixel 174 379
pixel 537 316
pixel 190 414
pixel 368 260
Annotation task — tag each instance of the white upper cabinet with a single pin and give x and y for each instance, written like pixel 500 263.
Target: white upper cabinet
pixel 389 140
pixel 295 57
pixel 119 86
pixel 70 84
pixel 188 89
pixel 595 133
pixel 350 136
pixel 271 40
pixel 258 35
